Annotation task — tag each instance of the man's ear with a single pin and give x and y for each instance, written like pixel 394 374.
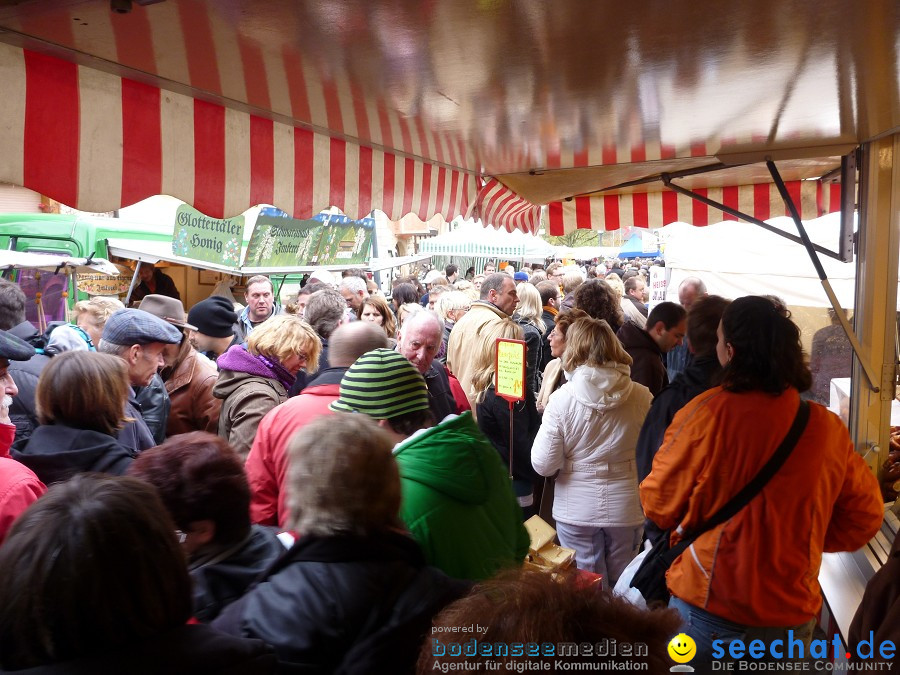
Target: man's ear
pixel 133 354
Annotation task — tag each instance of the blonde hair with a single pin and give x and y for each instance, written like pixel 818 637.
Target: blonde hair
pixel 406 310
pixel 282 336
pixel 615 282
pixel 451 301
pixel 592 342
pixel 85 390
pixel 530 307
pixel 388 322
pixel 99 309
pixel 483 361
pixel 342 477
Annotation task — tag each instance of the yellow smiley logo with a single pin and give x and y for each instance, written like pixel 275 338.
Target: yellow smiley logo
pixel 682 648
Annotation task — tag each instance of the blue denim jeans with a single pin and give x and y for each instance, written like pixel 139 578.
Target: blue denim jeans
pixel 705 628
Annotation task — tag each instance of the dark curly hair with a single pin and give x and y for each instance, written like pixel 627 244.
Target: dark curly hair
pixel 596 298
pixel 199 477
pixel 766 351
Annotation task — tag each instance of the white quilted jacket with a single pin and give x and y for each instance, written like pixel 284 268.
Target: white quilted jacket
pixel 588 434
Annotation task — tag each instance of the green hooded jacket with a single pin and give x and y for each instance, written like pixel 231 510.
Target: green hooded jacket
pixel 458 501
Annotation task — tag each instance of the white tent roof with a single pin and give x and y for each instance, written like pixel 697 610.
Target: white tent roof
pixel 736 259
pixel 472 240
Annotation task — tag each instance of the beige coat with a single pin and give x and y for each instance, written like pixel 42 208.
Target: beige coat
pixel 463 338
pixel 553 380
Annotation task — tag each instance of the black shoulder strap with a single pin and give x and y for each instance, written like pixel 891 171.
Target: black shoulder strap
pixel 755 486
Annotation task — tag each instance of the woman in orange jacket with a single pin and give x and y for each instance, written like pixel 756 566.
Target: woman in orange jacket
pixel 755 576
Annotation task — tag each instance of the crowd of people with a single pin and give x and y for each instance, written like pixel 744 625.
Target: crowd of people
pixel 334 485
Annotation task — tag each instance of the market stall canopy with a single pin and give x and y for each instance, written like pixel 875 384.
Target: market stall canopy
pixel 49 262
pixel 447 107
pixel 639 245
pixel 585 252
pixel 470 240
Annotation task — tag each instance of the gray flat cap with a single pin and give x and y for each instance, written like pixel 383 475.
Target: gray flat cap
pixel 13 348
pixel 136 327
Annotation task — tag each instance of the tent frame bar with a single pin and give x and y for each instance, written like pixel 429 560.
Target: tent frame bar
pixel 874 384
pixel 803 240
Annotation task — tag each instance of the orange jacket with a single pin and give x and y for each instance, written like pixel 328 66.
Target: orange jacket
pixel 761 567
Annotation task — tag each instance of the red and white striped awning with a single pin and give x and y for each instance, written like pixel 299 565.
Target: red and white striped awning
pixel 96 141
pixel 655 209
pixel 500 206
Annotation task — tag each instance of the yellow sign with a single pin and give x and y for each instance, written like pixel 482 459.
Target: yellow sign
pixel 510 370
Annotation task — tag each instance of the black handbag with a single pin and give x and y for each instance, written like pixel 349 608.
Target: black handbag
pixel 650 577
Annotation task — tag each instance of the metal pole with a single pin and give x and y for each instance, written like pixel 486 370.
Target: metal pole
pixel 874 383
pixel 134 278
pixel 511 407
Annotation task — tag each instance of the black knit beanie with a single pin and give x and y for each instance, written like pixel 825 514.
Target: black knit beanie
pixel 214 317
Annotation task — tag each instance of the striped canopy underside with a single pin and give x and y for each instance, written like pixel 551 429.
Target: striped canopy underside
pixel 96 142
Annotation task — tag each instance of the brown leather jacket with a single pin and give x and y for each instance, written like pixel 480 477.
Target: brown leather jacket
pixel 190 384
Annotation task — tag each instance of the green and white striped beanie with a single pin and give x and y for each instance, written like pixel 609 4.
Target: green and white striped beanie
pixel 382 384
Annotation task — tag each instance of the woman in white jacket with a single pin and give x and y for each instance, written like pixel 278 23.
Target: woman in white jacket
pixel 588 434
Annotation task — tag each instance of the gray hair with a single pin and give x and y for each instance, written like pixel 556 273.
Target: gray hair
pixel 451 301
pixel 107 347
pixel 354 284
pixel 12 304
pixel 493 282
pixel 423 316
pixel 324 311
pixel 342 477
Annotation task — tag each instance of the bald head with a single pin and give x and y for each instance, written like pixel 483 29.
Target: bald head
pixel 420 339
pixel 349 341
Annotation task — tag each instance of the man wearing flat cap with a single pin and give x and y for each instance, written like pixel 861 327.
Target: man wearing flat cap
pixel 188 376
pixel 213 322
pixel 19 486
pixel 138 338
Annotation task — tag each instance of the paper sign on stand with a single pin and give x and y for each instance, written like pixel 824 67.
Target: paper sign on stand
pixel 657 286
pixel 509 380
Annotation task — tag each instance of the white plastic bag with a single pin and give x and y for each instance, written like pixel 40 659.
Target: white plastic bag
pixel 623 587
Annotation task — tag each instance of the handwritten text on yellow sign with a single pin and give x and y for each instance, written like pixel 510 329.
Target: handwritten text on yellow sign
pixel 510 369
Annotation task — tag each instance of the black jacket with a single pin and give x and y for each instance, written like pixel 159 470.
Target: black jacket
pixel 221 577
pixel 533 354
pixel 135 435
pixel 550 323
pixel 344 604
pixel 440 397
pixel 56 452
pixel 648 367
pixel 153 400
pixel 493 420
pixel 696 378
pixel 22 412
pixel 186 650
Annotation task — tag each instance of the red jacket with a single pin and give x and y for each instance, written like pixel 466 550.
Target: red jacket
pixel 19 487
pixel 266 464
pixel 760 568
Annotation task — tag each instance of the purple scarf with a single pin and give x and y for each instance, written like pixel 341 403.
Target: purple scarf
pixel 238 359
